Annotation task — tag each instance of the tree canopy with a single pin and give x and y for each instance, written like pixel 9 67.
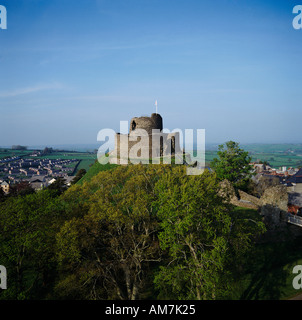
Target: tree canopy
pixel 132 232
pixel 233 164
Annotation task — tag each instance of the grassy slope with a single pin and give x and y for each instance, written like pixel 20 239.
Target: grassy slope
pixel 94 170
pixel 85 164
pixel 269 274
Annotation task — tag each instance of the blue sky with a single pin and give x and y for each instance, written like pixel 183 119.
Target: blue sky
pixel 72 68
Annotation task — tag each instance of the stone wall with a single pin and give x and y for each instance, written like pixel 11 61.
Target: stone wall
pixel 245 200
pixel 147 123
pixel 249 198
pixel 274 206
pixel 145 141
pixel 276 196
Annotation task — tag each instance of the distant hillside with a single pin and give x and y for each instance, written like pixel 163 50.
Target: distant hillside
pixel 272 147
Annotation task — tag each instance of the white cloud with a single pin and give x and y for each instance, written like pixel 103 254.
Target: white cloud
pixel 26 90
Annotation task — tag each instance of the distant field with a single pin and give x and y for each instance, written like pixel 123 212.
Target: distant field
pixel 87 159
pixel 277 155
pixel 4 153
pixel 263 148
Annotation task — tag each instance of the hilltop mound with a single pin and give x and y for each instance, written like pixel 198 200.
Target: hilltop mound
pixel 94 170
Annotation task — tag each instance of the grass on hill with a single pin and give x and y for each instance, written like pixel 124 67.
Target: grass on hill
pixel 270 274
pixel 94 170
pixel 96 167
pixel 269 271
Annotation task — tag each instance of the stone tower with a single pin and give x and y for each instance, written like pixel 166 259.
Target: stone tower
pixel 147 123
pixel 145 136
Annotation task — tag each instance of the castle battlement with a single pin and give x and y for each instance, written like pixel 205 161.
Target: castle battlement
pixel 145 140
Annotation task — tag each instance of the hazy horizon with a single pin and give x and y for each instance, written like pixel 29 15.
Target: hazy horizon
pixel 92 147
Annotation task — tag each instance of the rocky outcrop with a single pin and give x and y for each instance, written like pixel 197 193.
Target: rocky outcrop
pixel 276 196
pixel 227 191
pixel 249 198
pixel 274 203
pixel 272 206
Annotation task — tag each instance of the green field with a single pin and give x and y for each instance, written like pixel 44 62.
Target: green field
pixel 86 159
pixel 4 153
pixel 276 160
pixel 277 155
pixel 274 147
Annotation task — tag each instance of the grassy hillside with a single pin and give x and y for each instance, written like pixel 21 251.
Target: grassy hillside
pixel 270 274
pixel 94 170
pixel 269 268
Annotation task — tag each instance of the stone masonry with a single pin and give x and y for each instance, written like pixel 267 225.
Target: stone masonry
pixel 145 141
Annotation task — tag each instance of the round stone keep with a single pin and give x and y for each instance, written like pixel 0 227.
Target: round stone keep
pixel 147 123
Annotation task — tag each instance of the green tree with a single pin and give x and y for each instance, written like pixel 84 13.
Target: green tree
pixel 108 249
pixel 2 194
pixel 21 189
pixel 202 237
pixel 27 243
pixel 126 223
pixel 59 186
pixel 78 176
pixel 233 164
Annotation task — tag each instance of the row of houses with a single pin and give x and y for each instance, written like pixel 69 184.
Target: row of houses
pixel 39 173
pixel 10 159
pixel 23 169
pixel 291 178
pixel 294 182
pixel 37 182
pixel 40 182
